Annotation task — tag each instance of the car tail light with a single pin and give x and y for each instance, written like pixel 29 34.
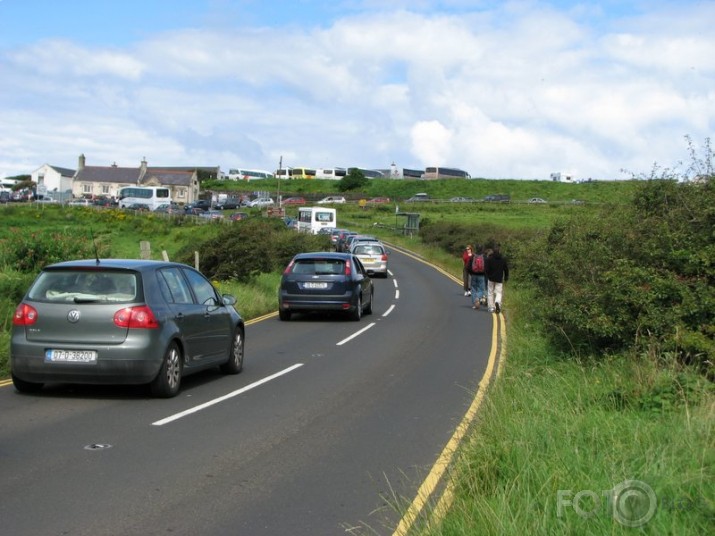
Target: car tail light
pixel 348 268
pixel 384 257
pixel 289 268
pixel 25 315
pixel 136 317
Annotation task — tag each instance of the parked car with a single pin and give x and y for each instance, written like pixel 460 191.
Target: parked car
pixel 80 203
pixel 537 201
pixel 294 201
pixel 262 202
pixel 119 321
pixel 497 198
pixel 197 206
pixel 5 196
pixel 228 204
pixel 137 207
pixel 332 199
pixel 378 200
pixel 238 216
pixel 211 214
pixel 168 208
pixel 461 200
pixel 325 281
pixel 373 256
pixel 418 197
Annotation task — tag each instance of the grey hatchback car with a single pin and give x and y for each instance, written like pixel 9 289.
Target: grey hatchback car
pixel 120 321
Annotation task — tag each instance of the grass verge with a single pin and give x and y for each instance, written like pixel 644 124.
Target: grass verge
pixel 557 439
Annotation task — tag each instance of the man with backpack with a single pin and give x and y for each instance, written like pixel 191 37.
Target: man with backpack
pixel 477 271
pixel 497 273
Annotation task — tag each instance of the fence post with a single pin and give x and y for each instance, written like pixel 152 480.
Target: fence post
pixel 145 250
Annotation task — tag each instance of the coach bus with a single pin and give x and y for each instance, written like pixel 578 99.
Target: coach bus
pixel 445 173
pixel 151 196
pixel 330 173
pixel 313 219
pixel 302 173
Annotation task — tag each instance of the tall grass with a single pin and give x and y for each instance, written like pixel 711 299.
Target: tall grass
pixel 555 435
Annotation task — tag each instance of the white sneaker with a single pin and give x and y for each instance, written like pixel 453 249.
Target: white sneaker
pixel 467 293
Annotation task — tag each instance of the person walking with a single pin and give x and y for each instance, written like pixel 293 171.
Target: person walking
pixel 478 277
pixel 497 272
pixel 466 276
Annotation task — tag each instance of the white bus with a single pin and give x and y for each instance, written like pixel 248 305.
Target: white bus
pixel 313 219
pixel 330 173
pixel 248 174
pixel 151 196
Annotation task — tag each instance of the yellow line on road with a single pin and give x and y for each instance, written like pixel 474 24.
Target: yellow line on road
pixel 445 459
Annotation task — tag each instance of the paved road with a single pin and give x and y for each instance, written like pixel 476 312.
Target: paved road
pixel 329 429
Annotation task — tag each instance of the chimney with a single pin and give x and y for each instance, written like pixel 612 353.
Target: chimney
pixel 80 165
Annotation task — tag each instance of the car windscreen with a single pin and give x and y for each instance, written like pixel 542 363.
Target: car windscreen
pixel 319 266
pixel 361 249
pixel 84 286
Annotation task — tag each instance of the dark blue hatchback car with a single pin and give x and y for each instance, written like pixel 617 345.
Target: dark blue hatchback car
pixel 325 281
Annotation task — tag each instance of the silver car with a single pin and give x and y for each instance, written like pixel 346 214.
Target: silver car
pixel 123 322
pixel 373 256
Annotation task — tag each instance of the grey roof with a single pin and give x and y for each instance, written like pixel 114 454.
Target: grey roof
pixel 109 174
pixel 65 172
pixel 169 177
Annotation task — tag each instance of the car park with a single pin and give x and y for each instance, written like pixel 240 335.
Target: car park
pixel 121 321
pixel 332 199
pixel 373 256
pixel 325 282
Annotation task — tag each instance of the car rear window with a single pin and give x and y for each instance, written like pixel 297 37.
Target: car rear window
pixel 319 266
pixel 368 250
pixel 84 285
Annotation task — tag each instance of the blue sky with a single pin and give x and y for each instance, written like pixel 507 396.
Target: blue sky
pixel 502 89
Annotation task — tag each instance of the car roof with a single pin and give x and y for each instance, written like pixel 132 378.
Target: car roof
pixel 125 264
pixel 323 255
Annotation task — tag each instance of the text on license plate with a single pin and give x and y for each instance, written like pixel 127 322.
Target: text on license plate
pixel 313 284
pixel 70 356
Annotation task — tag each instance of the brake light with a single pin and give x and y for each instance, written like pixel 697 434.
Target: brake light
pixel 25 315
pixel 289 268
pixel 136 318
pixel 348 268
pixel 384 257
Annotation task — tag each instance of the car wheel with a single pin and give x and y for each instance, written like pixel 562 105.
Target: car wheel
pixel 368 309
pixel 234 365
pixel 284 315
pixel 167 382
pixel 25 387
pixel 357 313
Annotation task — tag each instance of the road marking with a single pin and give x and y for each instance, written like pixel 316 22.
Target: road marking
pixel 389 310
pixel 237 392
pixel 363 330
pixel 445 458
pixel 3 383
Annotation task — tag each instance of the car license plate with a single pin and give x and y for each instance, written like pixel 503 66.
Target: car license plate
pixel 70 356
pixel 312 284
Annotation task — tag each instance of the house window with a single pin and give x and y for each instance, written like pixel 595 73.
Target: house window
pixel 105 190
pixel 86 188
pixel 181 193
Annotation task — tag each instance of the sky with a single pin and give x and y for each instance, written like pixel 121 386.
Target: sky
pixel 515 89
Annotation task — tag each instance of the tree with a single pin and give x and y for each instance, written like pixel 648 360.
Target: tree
pixel 354 180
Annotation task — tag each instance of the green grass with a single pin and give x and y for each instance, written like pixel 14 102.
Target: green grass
pixel 552 424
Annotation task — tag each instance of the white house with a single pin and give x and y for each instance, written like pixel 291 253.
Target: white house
pixel 53 179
